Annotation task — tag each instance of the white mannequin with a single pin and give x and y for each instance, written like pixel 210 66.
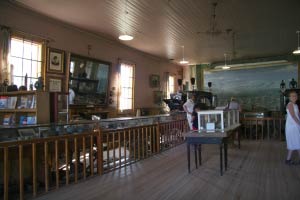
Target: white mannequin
pixel 71 96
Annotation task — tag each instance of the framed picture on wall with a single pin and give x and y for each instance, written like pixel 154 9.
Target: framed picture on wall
pixel 55 60
pixel 154 81
pixel 55 84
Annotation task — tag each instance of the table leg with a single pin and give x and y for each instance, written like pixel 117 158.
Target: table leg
pixel 196 161
pixel 188 157
pixel 199 154
pixel 225 153
pixel 221 159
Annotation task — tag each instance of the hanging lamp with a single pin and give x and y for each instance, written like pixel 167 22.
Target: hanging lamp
pixel 125 36
pixel 183 61
pixel 225 66
pixel 297 51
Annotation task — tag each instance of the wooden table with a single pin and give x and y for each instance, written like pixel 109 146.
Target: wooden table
pixel 217 137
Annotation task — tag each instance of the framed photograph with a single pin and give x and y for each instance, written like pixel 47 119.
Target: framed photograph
pixel 55 61
pixel 154 81
pixel 55 84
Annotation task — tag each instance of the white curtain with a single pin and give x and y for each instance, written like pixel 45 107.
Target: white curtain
pixel 5 37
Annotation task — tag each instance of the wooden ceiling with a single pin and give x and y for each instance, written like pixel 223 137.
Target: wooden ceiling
pixel 242 29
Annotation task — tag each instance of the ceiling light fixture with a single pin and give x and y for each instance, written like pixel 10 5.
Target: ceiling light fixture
pixel 297 51
pixel 225 66
pixel 183 61
pixel 125 37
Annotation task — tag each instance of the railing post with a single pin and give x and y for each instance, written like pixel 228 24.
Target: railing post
pixel 67 160
pixel 99 152
pixel 157 138
pixel 6 173
pixel 84 157
pixel 56 164
pixel 34 182
pixel 46 166
pixel 21 175
pixel 76 160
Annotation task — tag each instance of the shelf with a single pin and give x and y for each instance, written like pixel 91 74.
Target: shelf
pixel 25 110
pixel 17 93
pixel 84 80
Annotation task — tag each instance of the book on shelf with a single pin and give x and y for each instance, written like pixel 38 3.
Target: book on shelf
pixel 12 102
pixel 23 120
pixel 26 101
pixel 22 102
pixel 3 102
pixel 9 119
pixel 33 102
pixel 31 119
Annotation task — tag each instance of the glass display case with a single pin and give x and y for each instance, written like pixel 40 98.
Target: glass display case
pixel 217 120
pixel 125 122
pixel 27 132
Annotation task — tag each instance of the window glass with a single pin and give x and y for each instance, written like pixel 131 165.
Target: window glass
pixel 126 87
pixel 25 59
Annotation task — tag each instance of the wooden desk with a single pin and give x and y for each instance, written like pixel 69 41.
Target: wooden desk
pixel 197 139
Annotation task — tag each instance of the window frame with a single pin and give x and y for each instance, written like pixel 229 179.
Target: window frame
pixel 32 39
pixel 120 88
pixel 169 92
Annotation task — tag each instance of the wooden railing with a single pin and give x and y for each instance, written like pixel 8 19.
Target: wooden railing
pixel 35 166
pixel 267 127
pixel 125 146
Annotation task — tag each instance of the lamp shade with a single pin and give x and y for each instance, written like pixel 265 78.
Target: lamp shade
pixel 179 81
pixel 297 51
pixel 125 37
pixel 184 62
pixel 193 80
pixel 225 67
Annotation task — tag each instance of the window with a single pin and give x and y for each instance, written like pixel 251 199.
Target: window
pixel 126 87
pixel 171 86
pixel 25 59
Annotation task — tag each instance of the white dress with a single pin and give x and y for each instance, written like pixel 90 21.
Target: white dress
pixel 189 104
pixel 292 130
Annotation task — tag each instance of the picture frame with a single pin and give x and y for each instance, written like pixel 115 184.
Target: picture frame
pixel 55 60
pixel 55 84
pixel 154 81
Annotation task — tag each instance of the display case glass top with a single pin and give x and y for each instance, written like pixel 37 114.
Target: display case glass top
pixel 217 120
pixel 89 79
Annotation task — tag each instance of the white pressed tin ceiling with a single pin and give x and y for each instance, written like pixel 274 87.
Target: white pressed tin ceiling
pixel 160 27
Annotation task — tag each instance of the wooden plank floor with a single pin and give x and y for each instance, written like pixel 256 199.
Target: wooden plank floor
pixel 257 171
